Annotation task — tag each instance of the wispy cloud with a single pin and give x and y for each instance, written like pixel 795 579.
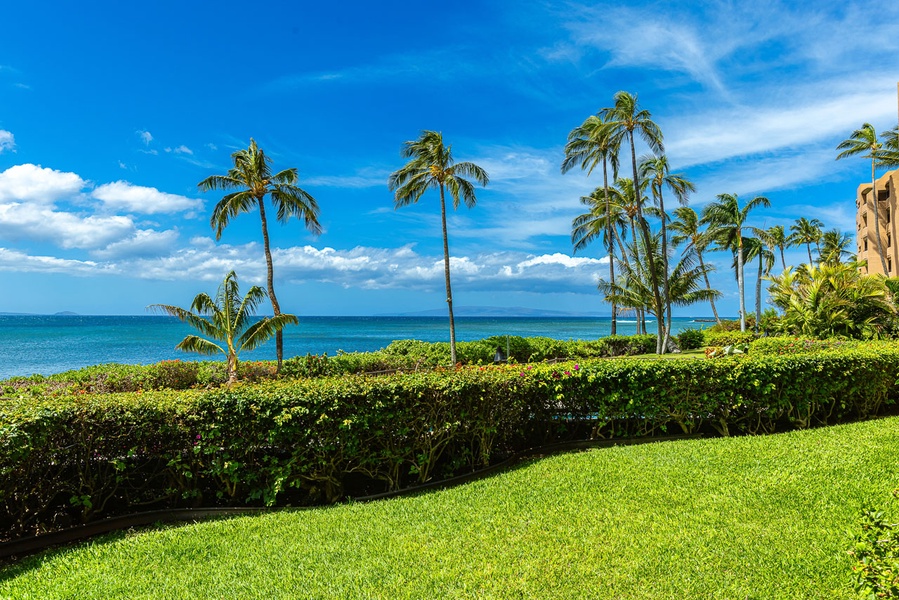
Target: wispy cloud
pixel 124 196
pixel 182 149
pixel 7 141
pixel 145 136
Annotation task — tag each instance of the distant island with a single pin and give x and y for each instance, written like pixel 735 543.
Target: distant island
pixel 493 311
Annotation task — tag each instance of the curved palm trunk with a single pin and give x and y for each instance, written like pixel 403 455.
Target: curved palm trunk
pixel 270 280
pixel 446 272
pixel 638 311
pixel 740 280
pixel 808 246
pixel 883 259
pixel 782 261
pixel 610 245
pixel 708 286
pixel 644 229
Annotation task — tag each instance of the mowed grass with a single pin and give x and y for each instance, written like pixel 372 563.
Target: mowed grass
pixel 753 517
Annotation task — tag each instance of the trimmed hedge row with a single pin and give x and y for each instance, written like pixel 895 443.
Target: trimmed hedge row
pixel 71 459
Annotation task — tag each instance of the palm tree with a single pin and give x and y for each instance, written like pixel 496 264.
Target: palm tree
pixel 890 156
pixel 626 119
pixel 253 180
pixel 863 142
pixel 605 216
pixel 684 279
pixel 806 232
pixel 589 145
pixel 726 221
pixel 656 171
pixel 226 318
pixel 432 166
pixel 755 248
pixel 775 237
pixel 686 229
pixel 835 247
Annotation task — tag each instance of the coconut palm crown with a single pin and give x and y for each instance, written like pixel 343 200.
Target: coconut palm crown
pixel 226 318
pixel 431 166
pixel 253 180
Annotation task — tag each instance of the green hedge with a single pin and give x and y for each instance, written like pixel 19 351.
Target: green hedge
pixel 70 459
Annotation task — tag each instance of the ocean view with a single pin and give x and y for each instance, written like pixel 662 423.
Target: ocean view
pixel 48 344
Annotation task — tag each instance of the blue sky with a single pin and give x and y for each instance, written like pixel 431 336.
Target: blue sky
pixel 111 113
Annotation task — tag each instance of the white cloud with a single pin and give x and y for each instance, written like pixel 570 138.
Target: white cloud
pixel 7 141
pixel 212 146
pixel 64 229
pixel 121 195
pixel 182 149
pixel 145 136
pixel 38 185
pixel 143 243
pixel 12 260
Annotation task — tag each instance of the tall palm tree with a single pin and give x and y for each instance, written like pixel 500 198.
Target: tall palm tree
pixel 863 142
pixel 656 171
pixel 604 216
pixel 835 247
pixel 226 318
pixel 756 248
pixel 253 180
pixel 588 145
pixel 626 119
pixel 726 220
pixel 686 229
pixel 775 237
pixel 431 165
pixel 808 232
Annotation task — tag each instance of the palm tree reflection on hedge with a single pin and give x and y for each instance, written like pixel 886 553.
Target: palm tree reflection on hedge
pixel 226 318
pixel 432 166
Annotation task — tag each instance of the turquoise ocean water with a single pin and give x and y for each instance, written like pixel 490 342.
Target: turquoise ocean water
pixel 52 344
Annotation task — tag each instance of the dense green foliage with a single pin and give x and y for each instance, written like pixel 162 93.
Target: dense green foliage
pixel 746 517
pixel 876 556
pixel 71 458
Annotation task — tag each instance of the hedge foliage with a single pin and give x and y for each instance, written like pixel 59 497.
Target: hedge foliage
pixel 69 459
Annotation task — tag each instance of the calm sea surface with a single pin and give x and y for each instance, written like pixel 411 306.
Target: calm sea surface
pixel 52 344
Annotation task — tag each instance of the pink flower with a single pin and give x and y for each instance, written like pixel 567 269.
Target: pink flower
pixel 577 367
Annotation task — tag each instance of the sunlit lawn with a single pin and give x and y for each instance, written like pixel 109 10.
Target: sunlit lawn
pixel 753 517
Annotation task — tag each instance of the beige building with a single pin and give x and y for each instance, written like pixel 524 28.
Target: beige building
pixel 866 238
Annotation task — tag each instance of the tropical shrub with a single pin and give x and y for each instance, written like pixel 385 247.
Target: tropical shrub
pixel 833 300
pixel 690 339
pixel 796 345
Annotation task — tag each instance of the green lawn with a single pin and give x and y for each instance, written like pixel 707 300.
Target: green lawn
pixel 753 517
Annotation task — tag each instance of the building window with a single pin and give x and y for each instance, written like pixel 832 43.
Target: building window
pixel 888 215
pixel 889 265
pixel 889 240
pixel 865 218
pixel 866 244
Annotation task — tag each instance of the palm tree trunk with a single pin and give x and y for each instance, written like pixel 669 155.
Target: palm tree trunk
pixel 665 275
pixel 610 244
pixel 758 296
pixel 782 261
pixel 740 280
pixel 644 229
pixel 883 259
pixel 708 286
pixel 808 246
pixel 270 280
pixel 446 272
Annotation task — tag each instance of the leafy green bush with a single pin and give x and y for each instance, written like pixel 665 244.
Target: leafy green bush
pixel 71 458
pixel 875 555
pixel 690 339
pixel 728 338
pixel 796 345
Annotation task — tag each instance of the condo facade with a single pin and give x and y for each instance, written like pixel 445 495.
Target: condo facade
pixel 886 206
